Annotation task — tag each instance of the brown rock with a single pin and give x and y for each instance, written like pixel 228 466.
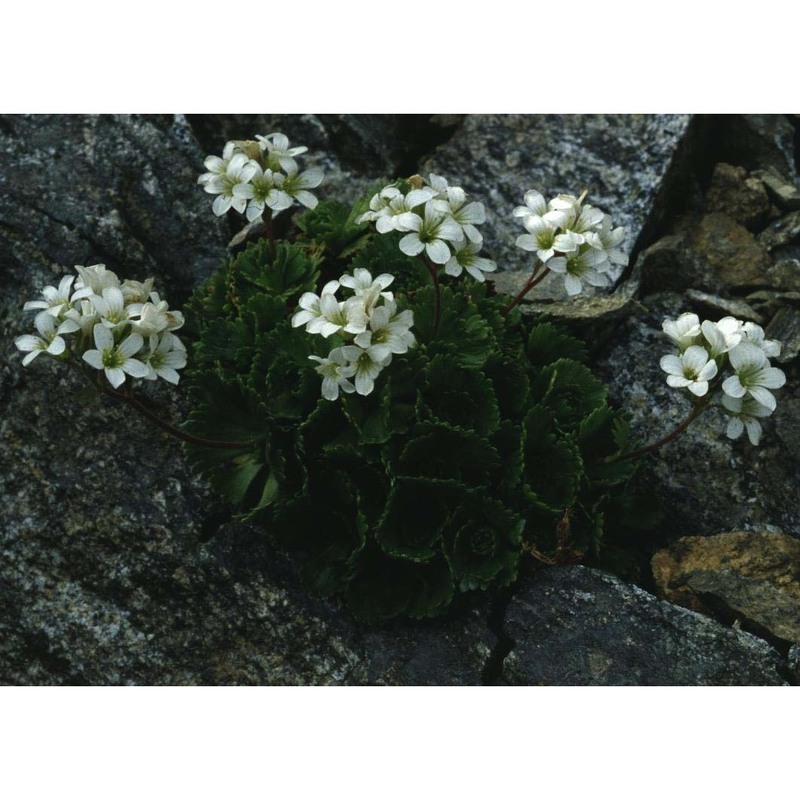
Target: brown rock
pixel 749 577
pixel 730 254
pixel 744 199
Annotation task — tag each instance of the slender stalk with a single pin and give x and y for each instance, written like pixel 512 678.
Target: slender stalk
pixel 437 312
pixel 537 277
pixel 642 451
pixel 126 396
pixel 267 217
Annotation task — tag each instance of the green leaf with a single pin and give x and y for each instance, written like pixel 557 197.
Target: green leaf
pixel 483 543
pixel 460 396
pixel 293 272
pixel 333 224
pixel 570 390
pixel 386 587
pixel 415 515
pixel 446 453
pixel 546 344
pixel 553 466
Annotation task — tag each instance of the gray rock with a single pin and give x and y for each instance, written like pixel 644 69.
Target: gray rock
pixel 783 231
pixel 758 141
pixel 785 327
pixel 113 565
pixel 497 158
pixel 705 482
pixel 794 662
pixel 81 190
pixel 578 626
pixel 784 193
pixel 723 306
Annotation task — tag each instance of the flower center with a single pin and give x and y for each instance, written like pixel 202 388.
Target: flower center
pixel 112 359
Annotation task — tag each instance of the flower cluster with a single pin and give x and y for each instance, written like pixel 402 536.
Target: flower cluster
pixel 121 327
pixel 256 175
pixel 438 221
pixel 367 324
pixel 571 238
pixel 729 354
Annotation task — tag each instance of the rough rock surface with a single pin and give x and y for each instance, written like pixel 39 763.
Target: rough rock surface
pixel 743 198
pixel 577 626
pixel 753 577
pixel 117 565
pixel 705 482
pixel 498 158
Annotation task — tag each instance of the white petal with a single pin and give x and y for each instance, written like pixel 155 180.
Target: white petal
pixel 116 377
pixel 437 251
pixel 94 358
pixel 764 396
pixel 771 378
pixel 27 342
pixel 677 381
pixel 699 388
pixel 132 344
pixel 735 428
pixel 103 338
pixel 411 245
pixel 733 387
pixel 135 368
pixel 572 284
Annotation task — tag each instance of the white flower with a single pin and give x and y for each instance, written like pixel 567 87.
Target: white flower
pixel 722 336
pixel 239 170
pixel 310 313
pixel 151 318
pixel 85 317
pixel 93 280
pixel 691 370
pixel 264 189
pixel 137 291
pixel 755 335
pixel 439 185
pixel 465 257
pixel 367 289
pixel 368 363
pixel 541 238
pixel 335 371
pixel 116 360
pixel 216 166
pixel 348 316
pixel 611 239
pixel 391 208
pixel 467 215
pixel 49 339
pixel 684 331
pixel 55 300
pixel 580 266
pixel 588 220
pixel 297 184
pixel 167 355
pixel 430 234
pixel 387 327
pixel 278 153
pixel 753 375
pixel 535 205
pixel 111 307
pixel 744 412
pixel 175 319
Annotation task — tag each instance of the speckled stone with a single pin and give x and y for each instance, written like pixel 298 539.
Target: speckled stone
pixel 578 626
pixel 705 482
pixel 620 159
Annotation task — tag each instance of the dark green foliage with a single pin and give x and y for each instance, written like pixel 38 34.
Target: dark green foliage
pixel 485 437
